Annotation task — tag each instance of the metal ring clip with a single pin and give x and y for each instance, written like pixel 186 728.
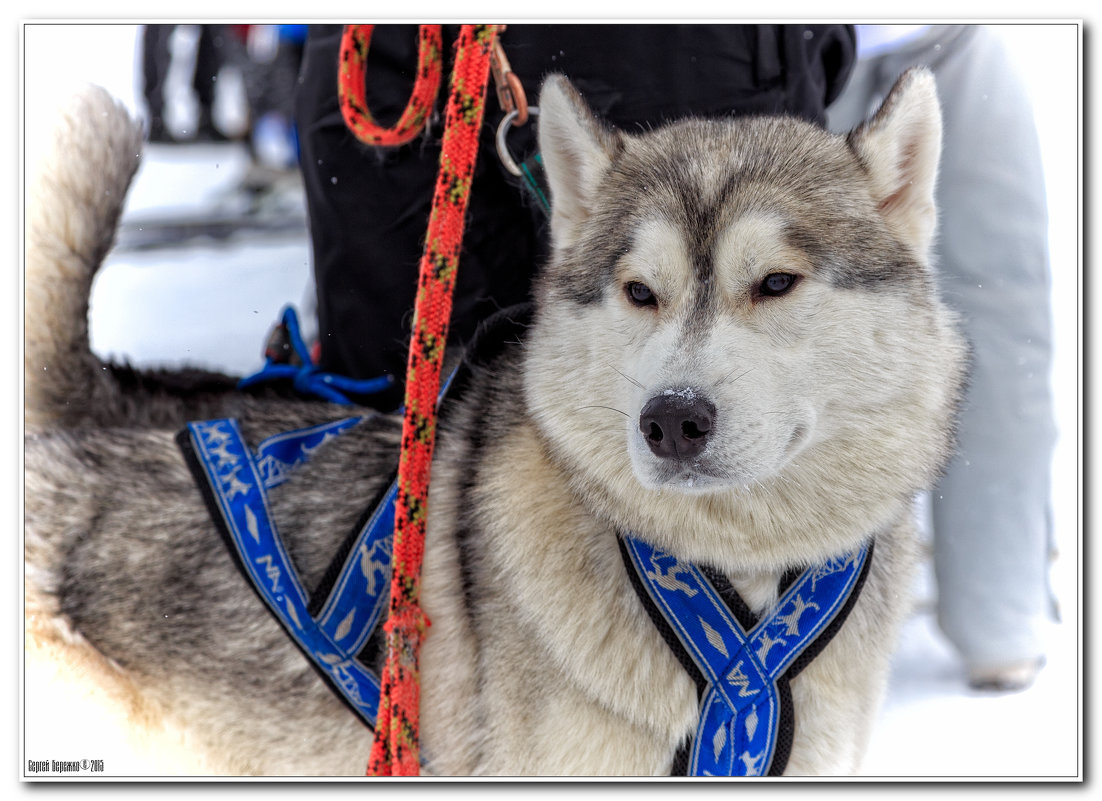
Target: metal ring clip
pixel 502 129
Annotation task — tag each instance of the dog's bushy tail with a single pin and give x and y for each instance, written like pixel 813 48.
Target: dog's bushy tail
pixel 73 209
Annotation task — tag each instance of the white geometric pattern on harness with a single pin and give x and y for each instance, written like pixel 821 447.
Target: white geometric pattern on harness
pixel 238 480
pixel 741 706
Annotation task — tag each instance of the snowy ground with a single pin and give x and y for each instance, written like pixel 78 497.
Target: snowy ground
pixel 212 304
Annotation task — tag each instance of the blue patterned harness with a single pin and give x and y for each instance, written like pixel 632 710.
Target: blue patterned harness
pixel 742 667
pixel 742 672
pixel 335 628
pixel 235 481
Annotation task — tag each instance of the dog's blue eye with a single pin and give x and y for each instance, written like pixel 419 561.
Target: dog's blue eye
pixel 776 284
pixel 640 294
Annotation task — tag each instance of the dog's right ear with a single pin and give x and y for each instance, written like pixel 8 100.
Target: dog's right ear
pixel 576 149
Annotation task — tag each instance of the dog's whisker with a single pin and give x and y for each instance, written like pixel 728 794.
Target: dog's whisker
pixel 612 409
pixel 627 377
pixel 727 377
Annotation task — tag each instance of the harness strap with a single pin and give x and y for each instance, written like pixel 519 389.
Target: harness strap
pixel 742 673
pixel 286 357
pixel 277 456
pixel 234 481
pixel 342 617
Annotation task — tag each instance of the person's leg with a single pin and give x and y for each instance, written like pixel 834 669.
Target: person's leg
pixel 156 58
pixel 991 510
pixel 369 210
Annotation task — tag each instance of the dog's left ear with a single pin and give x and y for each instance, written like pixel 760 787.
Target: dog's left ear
pixel 900 146
pixel 577 149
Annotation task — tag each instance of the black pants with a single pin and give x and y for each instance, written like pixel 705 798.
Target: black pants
pixel 369 207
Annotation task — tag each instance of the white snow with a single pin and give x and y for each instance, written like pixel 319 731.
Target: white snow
pixel 213 305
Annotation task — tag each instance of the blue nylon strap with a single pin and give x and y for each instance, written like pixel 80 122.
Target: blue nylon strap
pixel 277 456
pixel 238 483
pixel 741 706
pixel 359 597
pixel 235 480
pixel 238 480
pixel 306 377
pixel 349 615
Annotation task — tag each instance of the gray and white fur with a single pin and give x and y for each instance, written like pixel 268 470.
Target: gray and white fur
pixel 671 385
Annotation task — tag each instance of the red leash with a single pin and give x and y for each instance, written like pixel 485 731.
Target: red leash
pixel 396 751
pixel 352 90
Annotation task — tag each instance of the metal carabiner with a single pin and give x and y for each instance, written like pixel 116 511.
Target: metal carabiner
pixel 502 129
pixel 510 91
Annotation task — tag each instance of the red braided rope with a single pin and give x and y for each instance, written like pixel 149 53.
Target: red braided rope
pixel 396 750
pixel 352 89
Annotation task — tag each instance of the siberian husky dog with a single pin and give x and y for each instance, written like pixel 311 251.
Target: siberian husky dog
pixel 736 359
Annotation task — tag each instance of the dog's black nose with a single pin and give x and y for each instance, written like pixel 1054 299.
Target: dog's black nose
pixel 676 424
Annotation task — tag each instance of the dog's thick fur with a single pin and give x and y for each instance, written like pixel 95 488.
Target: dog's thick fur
pixel 827 405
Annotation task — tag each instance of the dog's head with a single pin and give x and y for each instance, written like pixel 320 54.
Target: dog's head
pixel 741 309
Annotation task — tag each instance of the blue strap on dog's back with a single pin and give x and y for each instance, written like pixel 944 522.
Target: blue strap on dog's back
pixel 358 599
pixel 745 673
pixel 277 456
pixel 337 624
pixel 237 480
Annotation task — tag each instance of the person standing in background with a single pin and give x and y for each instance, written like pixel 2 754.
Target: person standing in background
pixel 991 516
pixel 157 57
